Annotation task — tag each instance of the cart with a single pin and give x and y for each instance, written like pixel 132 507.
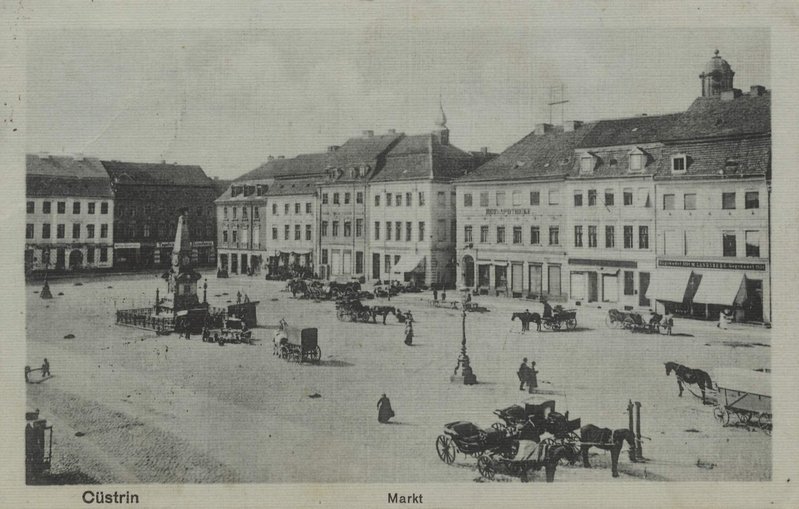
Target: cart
pixel 746 395
pixel 542 455
pixel 469 439
pixel 299 345
pixel 235 330
pixel 565 319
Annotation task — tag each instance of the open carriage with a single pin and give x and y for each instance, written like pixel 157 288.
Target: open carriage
pixel 352 310
pixel 298 345
pixel 635 322
pixel 541 455
pixel 744 394
pixel 235 330
pixel 469 439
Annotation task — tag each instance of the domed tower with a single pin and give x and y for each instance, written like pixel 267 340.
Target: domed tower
pixel 441 130
pixel 717 77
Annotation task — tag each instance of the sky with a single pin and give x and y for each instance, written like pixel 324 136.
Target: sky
pixel 227 98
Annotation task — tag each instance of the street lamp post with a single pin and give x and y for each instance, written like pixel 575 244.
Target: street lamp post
pixel 45 293
pixel 467 376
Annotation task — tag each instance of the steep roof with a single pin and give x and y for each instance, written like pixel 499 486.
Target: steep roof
pixel 66 176
pixel 221 185
pixel 363 150
pixel 535 156
pixel 729 158
pixel 629 131
pixel 286 187
pixel 714 117
pixel 157 174
pixel 423 156
pixel 302 165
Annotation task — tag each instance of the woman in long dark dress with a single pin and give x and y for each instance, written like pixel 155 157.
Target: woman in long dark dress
pixel 384 411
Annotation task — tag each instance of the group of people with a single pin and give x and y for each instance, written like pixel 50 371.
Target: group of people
pixel 527 375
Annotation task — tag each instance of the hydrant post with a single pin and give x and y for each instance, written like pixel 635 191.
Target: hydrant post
pixel 639 451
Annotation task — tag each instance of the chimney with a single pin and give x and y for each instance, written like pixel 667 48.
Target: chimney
pixel 729 95
pixel 392 131
pixel 270 158
pixel 484 151
pixel 571 125
pixel 333 148
pixel 542 128
pixel 757 90
pixel 368 133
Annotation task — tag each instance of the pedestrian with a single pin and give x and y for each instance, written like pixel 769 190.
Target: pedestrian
pixel 188 333
pixel 524 374
pixel 238 297
pixel 435 293
pixel 45 368
pixel 443 295
pixel 409 330
pixel 533 383
pixel 547 309
pixel 384 411
pixel 526 323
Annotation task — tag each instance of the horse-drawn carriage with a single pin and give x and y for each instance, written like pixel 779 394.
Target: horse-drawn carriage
pixel 635 322
pixel 561 319
pixel 352 310
pixel 235 330
pixel 297 344
pixel 744 394
pixel 469 439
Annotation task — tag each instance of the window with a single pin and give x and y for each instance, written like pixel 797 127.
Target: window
pixel 679 163
pixel 628 237
pixel 421 230
pixel 346 198
pixel 45 207
pixel 689 201
pixel 554 197
pixel 535 198
pixel 244 212
pixel 628 196
pixel 609 197
pixel 297 208
pixel 307 232
pixel 484 199
pixel 592 236
pixel 668 202
pixel 359 200
pixel 103 210
pixel 335 228
pixel 398 200
pixel 236 233
pixel 554 234
pixel 728 241
pixel 377 230
pixel 421 198
pixel 359 262
pixel 408 229
pixel 516 198
pixel 500 234
pixel 29 231
pixel 377 200
pixel 578 236
pixel 103 254
pixel 76 207
pixel 752 200
pixel 297 232
pixel 359 227
pixel 587 164
pixel 441 199
pixel 286 233
pixel 324 198
pixel 347 228
pixel 274 234
pixel 103 231
pixel 336 199
pixel 636 162
pixel 30 207
pixel 535 235
pixel 235 211
pixel 256 213
pixel 467 200
pixel 388 199
pixel 90 231
pixel 324 228
pixel 62 207
pixel 629 282
pixel 500 199
pixel 467 233
pixel 484 234
pixel 727 201
pixel 90 255
pixel 388 230
pixel 387 260
pixel 274 210
pixel 643 237
pixel 453 198
pixel 408 199
pixel 517 234
pixel 324 256
pixel 60 231
pixel 610 236
pixel 398 230
pixel 592 197
pixel 753 243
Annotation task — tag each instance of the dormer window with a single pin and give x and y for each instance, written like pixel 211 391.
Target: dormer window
pixel 679 163
pixel 587 163
pixel 637 160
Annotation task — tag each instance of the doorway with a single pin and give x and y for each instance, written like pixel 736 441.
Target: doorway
pixel 554 280
pixel 593 287
pixel 643 286
pixel 535 280
pixel 376 266
pixel 75 259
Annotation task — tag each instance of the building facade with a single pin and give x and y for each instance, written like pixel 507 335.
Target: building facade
pixel 149 198
pixel 69 215
pixel 240 219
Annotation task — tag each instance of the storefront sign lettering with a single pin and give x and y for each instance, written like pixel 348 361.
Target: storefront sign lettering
pixel 507 212
pixel 711 265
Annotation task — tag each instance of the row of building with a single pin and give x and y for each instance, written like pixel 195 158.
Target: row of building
pixel 667 208
pixel 84 214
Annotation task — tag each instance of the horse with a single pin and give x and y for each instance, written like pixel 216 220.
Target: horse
pixel 689 376
pixel 604 438
pixel 526 318
pixel 382 311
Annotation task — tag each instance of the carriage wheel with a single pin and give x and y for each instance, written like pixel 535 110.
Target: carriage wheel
pixel 743 417
pixel 509 452
pixel 446 449
pixel 556 325
pixel 547 324
pixel 722 415
pixel 571 323
pixel 485 465
pixel 499 426
pixel 284 352
pixel 315 354
pixel 365 316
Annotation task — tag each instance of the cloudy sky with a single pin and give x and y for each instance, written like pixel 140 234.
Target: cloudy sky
pixel 226 98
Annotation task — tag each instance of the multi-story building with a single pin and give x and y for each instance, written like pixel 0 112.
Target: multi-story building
pixel 240 214
pixel 291 223
pixel 149 198
pixel 70 210
pixel 412 209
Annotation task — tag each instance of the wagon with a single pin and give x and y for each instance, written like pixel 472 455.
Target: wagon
pixel 744 394
pixel 299 345
pixel 562 319
pixel 352 310
pixel 542 455
pixel 632 321
pixel 235 331
pixel 471 440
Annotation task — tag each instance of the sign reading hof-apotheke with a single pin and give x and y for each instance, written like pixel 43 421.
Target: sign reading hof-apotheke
pixel 711 265
pixel 507 212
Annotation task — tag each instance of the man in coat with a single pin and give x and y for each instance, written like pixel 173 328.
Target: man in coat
pixel 524 374
pixel 384 411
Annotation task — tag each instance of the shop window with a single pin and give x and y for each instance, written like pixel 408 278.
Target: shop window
pixel 629 282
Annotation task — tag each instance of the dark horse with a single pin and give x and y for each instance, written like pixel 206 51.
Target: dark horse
pixel 526 318
pixel 604 438
pixel 381 311
pixel 689 376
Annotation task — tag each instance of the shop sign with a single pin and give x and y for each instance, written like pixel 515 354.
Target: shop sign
pixel 711 265
pixel 604 263
pixel 203 243
pixel 507 212
pixel 127 245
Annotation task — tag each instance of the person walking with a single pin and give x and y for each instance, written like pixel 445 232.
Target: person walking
pixel 533 379
pixel 435 293
pixel 526 322
pixel 524 374
pixel 384 411
pixel 45 368
pixel 409 329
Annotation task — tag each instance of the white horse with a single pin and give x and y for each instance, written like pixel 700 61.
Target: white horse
pixel 281 336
